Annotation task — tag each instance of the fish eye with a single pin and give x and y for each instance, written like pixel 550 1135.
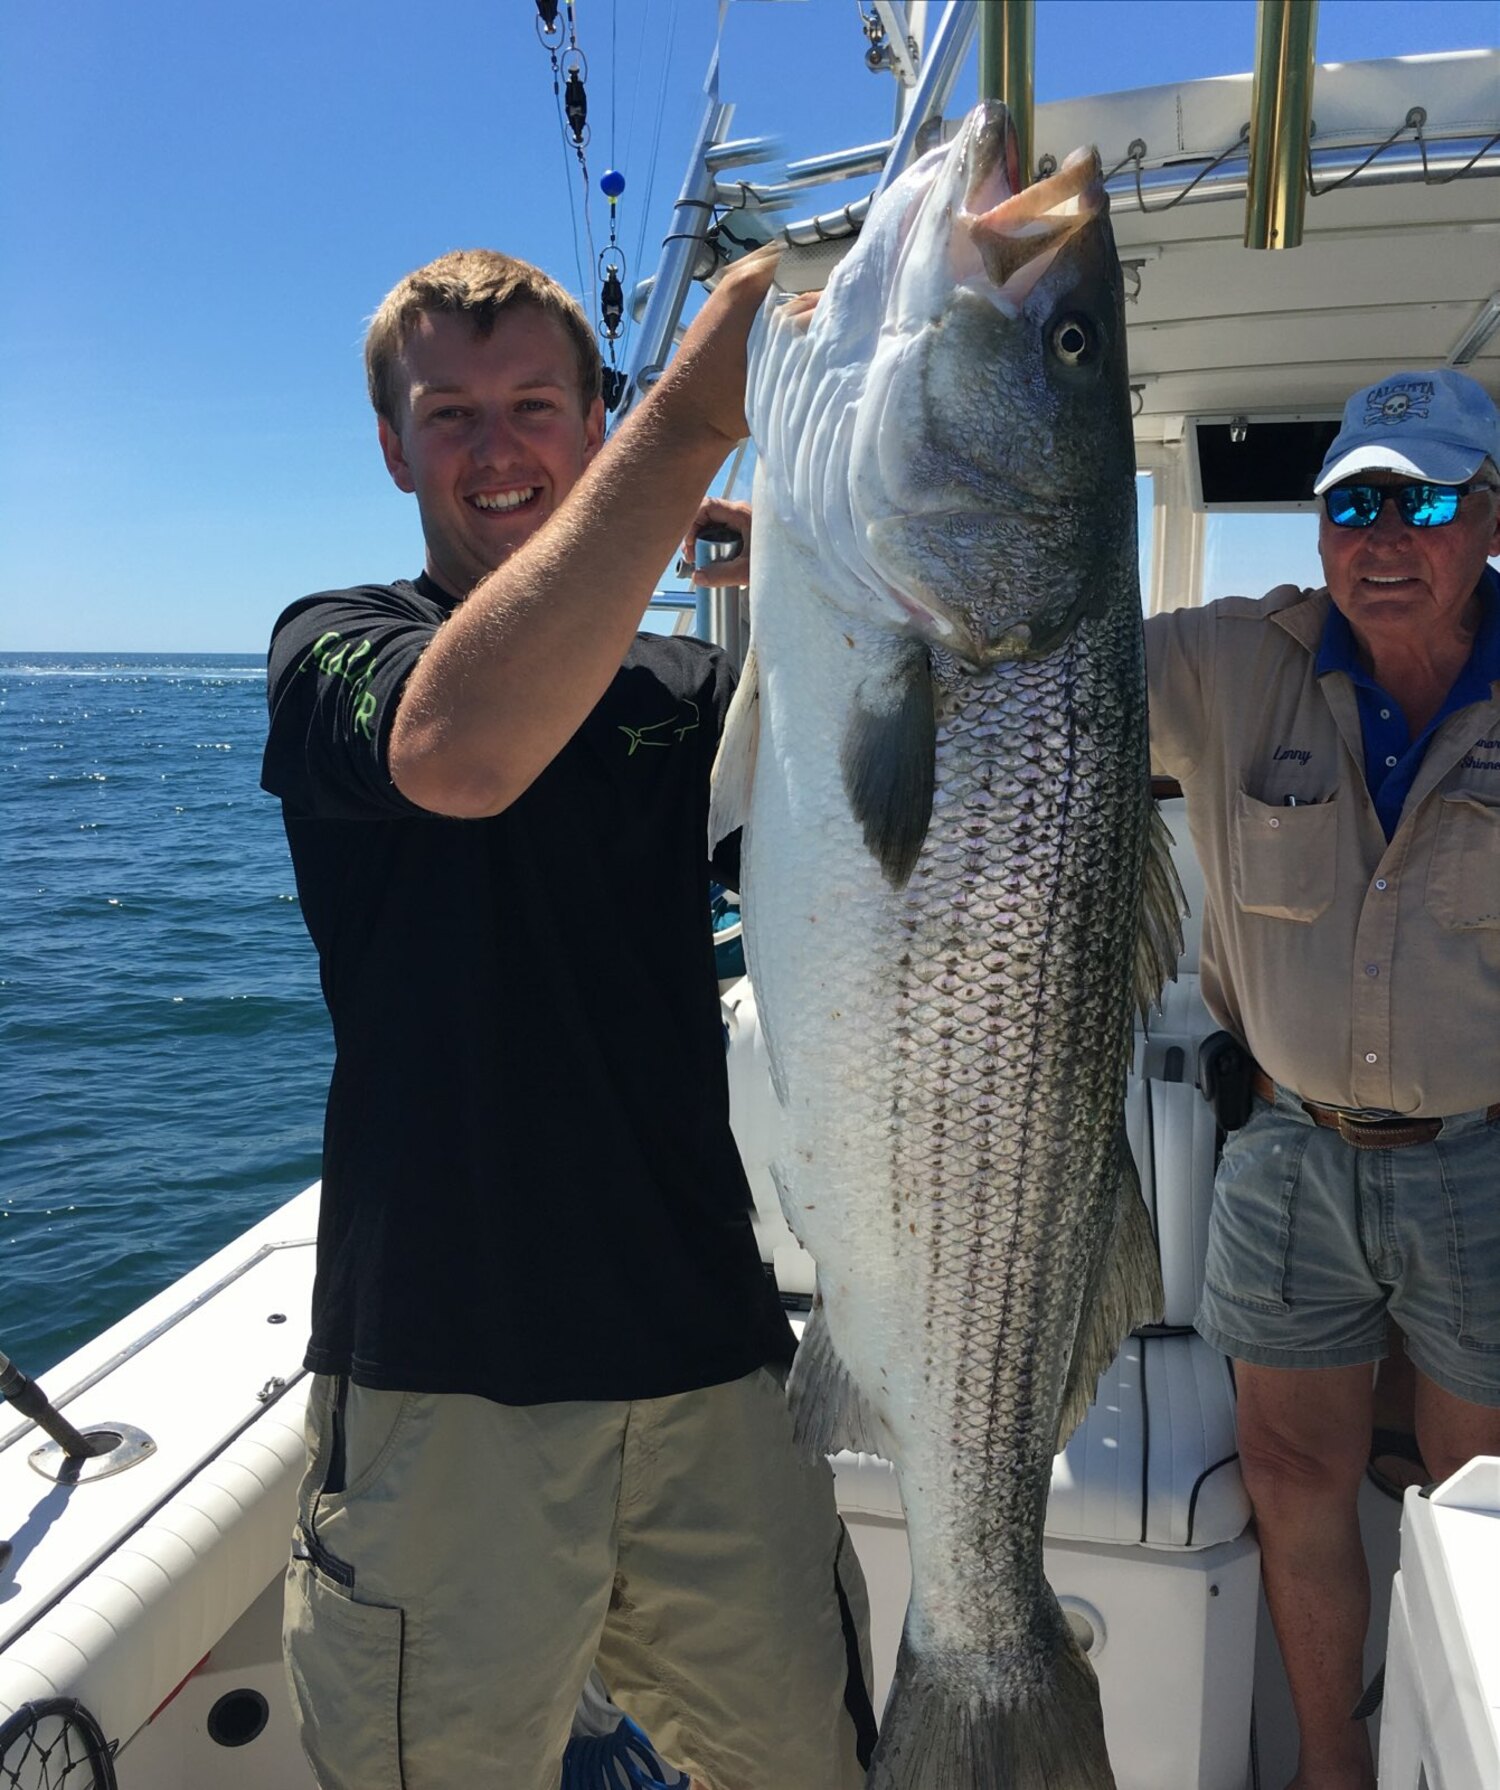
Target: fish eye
pixel 1074 340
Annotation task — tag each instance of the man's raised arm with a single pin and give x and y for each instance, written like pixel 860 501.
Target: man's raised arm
pixel 513 673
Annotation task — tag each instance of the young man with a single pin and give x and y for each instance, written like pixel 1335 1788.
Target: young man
pixel 547 1423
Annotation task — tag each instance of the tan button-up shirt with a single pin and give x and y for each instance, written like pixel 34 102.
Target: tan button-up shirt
pixel 1359 973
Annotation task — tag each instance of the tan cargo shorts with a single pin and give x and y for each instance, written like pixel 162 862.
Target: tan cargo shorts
pixel 459 1565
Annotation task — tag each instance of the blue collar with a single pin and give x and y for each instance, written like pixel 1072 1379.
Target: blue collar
pixel 1392 758
pixel 1337 650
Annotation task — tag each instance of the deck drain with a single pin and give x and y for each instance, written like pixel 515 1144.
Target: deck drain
pixel 237 1718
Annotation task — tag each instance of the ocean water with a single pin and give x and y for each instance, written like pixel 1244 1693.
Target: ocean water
pixel 164 1051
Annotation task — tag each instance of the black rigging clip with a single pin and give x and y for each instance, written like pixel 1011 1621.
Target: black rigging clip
pixel 576 103
pixel 549 30
pixel 611 302
pixel 613 381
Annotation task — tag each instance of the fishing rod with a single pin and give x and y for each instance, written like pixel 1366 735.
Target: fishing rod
pixel 29 1399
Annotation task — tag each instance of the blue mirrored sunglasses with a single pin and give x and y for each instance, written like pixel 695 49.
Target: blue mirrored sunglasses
pixel 1419 506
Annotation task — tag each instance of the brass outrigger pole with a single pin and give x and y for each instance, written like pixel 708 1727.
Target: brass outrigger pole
pixel 1007 66
pixel 1280 123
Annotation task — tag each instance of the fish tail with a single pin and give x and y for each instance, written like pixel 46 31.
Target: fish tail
pixel 951 1722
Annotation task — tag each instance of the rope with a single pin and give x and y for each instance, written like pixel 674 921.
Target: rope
pixel 56 1744
pixel 1415 119
pixel 1413 122
pixel 1135 155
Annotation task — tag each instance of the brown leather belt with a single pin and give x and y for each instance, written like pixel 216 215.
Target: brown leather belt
pixel 1363 1133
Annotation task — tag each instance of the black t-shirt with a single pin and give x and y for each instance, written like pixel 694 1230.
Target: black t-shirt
pixel 530 1189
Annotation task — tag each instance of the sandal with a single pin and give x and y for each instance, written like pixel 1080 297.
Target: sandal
pixel 1395 1445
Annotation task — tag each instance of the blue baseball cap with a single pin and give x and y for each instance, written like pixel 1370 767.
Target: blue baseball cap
pixel 1438 425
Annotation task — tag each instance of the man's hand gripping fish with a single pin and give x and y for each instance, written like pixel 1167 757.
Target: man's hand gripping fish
pixel 954 892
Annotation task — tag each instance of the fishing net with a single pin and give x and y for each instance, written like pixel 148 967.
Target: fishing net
pixel 54 1745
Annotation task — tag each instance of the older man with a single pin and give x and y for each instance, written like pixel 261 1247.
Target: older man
pixel 1340 754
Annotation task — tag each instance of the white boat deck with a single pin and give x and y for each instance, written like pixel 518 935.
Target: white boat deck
pixel 117 1587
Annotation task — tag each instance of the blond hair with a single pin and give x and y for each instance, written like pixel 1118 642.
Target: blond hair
pixel 482 285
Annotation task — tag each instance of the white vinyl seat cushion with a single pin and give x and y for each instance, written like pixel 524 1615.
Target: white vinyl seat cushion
pixel 1152 1465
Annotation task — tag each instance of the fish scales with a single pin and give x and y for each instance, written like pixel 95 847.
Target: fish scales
pixel 989 1093
pixel 938 752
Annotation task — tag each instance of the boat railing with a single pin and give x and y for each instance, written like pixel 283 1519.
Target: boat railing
pixel 1386 124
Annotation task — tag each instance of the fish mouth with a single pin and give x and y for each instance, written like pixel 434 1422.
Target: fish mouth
pixel 1020 230
pixel 994 153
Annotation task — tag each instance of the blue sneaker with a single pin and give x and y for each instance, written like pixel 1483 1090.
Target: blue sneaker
pixel 624 1760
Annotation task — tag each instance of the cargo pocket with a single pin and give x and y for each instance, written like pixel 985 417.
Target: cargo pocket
pixel 343 1660
pixel 1282 860
pixel 1463 881
pixel 1251 1220
pixel 1473 1214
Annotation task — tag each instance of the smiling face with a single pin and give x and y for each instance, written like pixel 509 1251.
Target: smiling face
pixel 491 435
pixel 1397 584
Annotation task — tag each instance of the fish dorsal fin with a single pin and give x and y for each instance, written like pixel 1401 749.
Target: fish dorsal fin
pixel 1159 942
pixel 734 763
pixel 888 760
pixel 1126 1291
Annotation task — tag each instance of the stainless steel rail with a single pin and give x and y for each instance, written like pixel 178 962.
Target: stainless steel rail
pixel 680 252
pixel 942 60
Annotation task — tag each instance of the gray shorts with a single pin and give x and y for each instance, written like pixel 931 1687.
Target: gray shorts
pixel 1313 1244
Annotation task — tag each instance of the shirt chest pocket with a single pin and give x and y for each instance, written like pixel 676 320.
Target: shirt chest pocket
pixel 1463 882
pixel 1282 860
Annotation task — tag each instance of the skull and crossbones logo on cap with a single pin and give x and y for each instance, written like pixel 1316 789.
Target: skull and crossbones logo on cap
pixel 1398 403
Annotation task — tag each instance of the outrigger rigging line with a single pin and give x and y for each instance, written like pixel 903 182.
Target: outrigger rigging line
pixel 569 75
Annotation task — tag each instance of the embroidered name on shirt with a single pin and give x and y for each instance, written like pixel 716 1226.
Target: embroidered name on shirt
pixel 332 656
pixel 1471 763
pixel 663 733
pixel 1295 753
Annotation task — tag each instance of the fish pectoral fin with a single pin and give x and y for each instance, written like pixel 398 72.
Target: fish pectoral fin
pixel 888 760
pixel 1126 1291
pixel 829 1412
pixel 1158 944
pixel 734 763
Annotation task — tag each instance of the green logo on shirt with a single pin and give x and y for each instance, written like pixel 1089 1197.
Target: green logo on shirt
pixel 679 727
pixel 333 656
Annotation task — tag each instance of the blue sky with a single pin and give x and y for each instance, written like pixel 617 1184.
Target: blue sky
pixel 201 203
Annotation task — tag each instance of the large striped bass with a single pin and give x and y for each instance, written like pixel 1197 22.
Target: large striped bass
pixel 939 755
